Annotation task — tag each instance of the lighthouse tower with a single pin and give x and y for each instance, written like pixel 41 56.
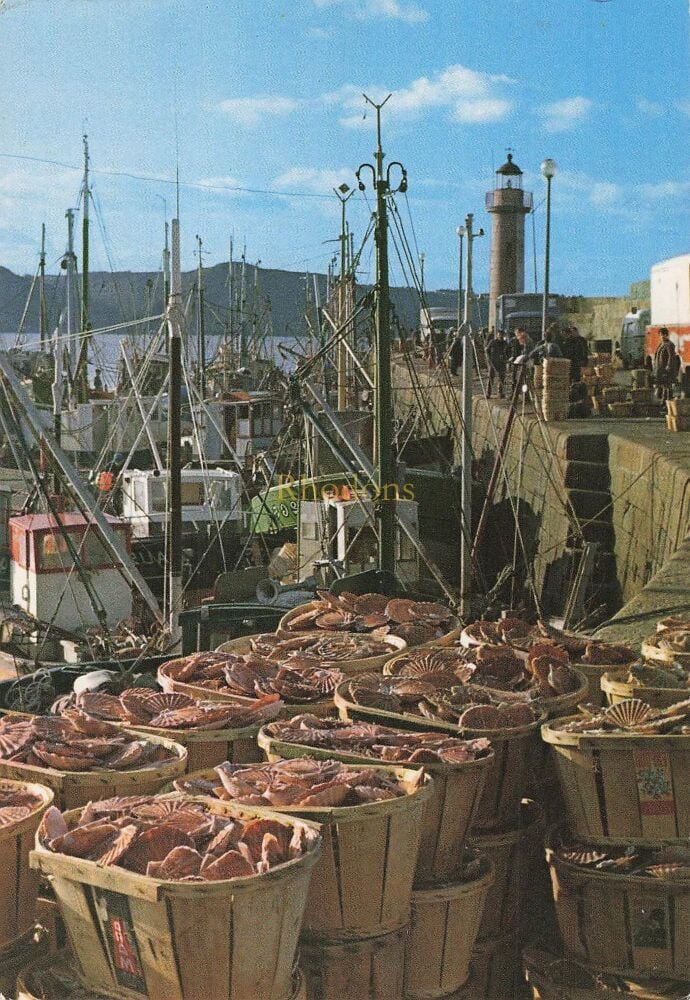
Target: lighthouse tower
pixel 508 204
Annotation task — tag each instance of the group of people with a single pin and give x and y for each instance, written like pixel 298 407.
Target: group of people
pixel 508 355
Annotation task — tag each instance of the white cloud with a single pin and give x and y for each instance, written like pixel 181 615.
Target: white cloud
pixel 684 105
pixel 469 96
pixel 252 110
pixel 410 13
pixel 665 189
pixel 313 180
pixel 651 109
pixel 561 116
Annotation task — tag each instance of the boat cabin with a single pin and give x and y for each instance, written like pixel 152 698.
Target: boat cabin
pixel 209 496
pixel 44 581
pixel 341 531
pixel 248 420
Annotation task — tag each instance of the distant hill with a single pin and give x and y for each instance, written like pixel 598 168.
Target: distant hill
pixel 127 295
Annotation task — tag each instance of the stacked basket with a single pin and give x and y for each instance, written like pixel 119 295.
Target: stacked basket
pixel 556 388
pixel 620 873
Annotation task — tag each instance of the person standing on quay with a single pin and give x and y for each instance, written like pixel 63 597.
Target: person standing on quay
pixel 497 353
pixel 665 366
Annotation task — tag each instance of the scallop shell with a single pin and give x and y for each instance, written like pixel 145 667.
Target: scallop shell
pixel 369 604
pixel 102 706
pixel 229 865
pixel 513 716
pixel 627 714
pixel 400 610
pixel 154 845
pixel 333 795
pixel 120 846
pixel 159 702
pixel 9 815
pixel 180 863
pixel 668 870
pixel 582 857
pixel 481 717
pixel 160 809
pixel 431 611
pixel 254 832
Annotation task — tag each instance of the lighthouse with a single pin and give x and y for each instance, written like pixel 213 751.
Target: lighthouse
pixel 508 205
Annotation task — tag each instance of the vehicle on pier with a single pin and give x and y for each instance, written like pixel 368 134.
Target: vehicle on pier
pixel 670 295
pixel 524 309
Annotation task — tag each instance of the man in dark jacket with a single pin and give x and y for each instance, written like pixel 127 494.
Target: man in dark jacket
pixel 574 347
pixel 665 365
pixel 497 354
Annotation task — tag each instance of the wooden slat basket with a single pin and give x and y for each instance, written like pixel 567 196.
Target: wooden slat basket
pixel 506 781
pixel 370 969
pixel 510 853
pixel 206 748
pixel 75 788
pixel 444 926
pixel 350 667
pixel 496 970
pixel 449 812
pixel 57 979
pixel 615 687
pixel 623 787
pixel 553 978
pixel 362 884
pixel 135 936
pixel 628 924
pixel 19 883
pixel 24 953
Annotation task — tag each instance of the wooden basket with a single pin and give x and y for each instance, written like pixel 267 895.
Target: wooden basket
pixel 616 687
pixel 623 787
pixel 444 926
pixel 73 789
pixel 372 969
pixel 594 672
pixel 553 978
pixel 509 853
pixel 445 640
pixel 506 781
pixel 320 708
pixel 208 747
pixel 362 883
pixel 136 936
pixel 449 812
pixel 56 979
pixel 496 970
pixel 627 924
pixel 651 651
pixel 19 883
pixel 350 668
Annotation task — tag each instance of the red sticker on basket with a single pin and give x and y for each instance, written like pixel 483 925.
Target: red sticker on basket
pixel 116 922
pixel 654 784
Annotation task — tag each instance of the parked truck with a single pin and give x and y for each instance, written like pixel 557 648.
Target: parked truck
pixel 670 295
pixel 524 309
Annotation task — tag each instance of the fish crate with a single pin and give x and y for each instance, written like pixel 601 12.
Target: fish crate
pixel 348 667
pixel 623 786
pixel 19 883
pixel 444 926
pixel 510 853
pixel 449 812
pixel 30 949
pixel 508 777
pixel 632 925
pixel 75 788
pixel 370 969
pixel 134 936
pixel 208 747
pixel 616 687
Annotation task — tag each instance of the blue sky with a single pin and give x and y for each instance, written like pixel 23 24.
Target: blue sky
pixel 265 96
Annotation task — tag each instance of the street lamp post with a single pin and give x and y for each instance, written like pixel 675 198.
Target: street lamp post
pixel 549 169
pixel 461 235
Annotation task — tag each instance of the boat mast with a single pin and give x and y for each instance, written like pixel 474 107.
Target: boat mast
pixel 243 332
pixel 343 194
pixel 42 307
pixel 200 321
pixel 81 375
pixel 69 263
pixel 174 318
pixel 166 265
pixel 386 478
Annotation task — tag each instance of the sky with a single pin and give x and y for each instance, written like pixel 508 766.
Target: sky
pixel 258 104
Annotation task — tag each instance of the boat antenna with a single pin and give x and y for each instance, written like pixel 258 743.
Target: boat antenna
pixel 81 374
pixel 174 554
pixel 386 476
